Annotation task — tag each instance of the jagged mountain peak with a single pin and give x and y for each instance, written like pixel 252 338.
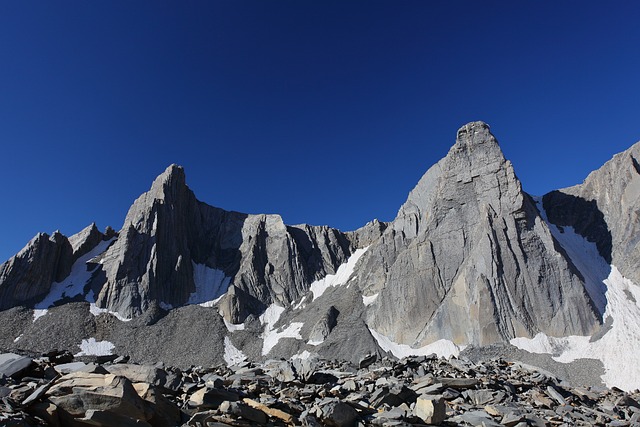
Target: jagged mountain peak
pixel 169 188
pixel 172 178
pixel 473 134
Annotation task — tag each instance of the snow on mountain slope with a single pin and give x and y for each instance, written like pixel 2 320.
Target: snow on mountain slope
pixel 617 347
pixel 271 334
pixel 210 283
pixel 74 284
pixel 443 348
pixel 340 278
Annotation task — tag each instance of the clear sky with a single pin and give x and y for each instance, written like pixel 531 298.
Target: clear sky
pixel 326 112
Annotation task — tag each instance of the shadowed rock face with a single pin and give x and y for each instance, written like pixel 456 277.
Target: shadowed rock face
pixel 26 278
pixel 469 259
pixel 168 234
pixel 605 208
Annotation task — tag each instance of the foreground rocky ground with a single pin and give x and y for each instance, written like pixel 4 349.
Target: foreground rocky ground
pixel 58 390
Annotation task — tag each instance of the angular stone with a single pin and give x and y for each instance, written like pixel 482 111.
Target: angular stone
pixel 111 419
pixel 432 410
pixel 12 364
pixel 458 383
pixel 161 411
pixel 76 393
pixel 367 360
pixel 512 419
pixel 283 371
pixel 139 373
pixel 555 394
pixel 480 397
pixel 244 411
pixel 47 411
pixel 67 368
pixel 211 398
pixel 475 418
pixel 339 414
pixel 272 412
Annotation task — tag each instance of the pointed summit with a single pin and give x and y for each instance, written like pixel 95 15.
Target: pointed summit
pixel 464 251
pixel 474 133
pixel 169 188
pixel 169 183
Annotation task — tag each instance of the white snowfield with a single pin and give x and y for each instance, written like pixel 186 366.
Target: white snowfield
pixel 304 355
pixel 38 313
pixel 74 284
pixel 210 283
pixel 270 335
pixel 231 327
pixel 96 311
pixel 443 348
pixel 232 355
pixel 368 300
pixel 340 278
pixel 91 347
pixel 618 347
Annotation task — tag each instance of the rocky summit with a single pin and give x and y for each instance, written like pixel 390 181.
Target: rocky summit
pixel 472 266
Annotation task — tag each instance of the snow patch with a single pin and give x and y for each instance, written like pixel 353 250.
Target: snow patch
pixel 96 311
pixel 618 300
pixel 91 347
pixel 75 282
pixel 585 256
pixel 301 304
pixel 340 278
pixel 271 335
pixel 271 315
pixel 369 299
pixel 231 327
pixel 232 355
pixel 211 284
pixel 443 348
pixel 18 338
pixel 617 348
pixel 311 342
pixel 304 355
pixel 38 313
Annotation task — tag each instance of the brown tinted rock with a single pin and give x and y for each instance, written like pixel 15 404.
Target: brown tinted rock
pixel 76 395
pixel 431 410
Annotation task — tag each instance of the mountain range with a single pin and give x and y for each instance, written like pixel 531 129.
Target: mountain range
pixel 470 261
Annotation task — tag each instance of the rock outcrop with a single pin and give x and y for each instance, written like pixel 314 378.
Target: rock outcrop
pixel 173 246
pixel 605 209
pixel 469 259
pixel 26 278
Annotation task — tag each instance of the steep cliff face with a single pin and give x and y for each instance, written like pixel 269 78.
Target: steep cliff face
pixel 174 250
pixel 469 259
pixel 26 278
pixel 605 209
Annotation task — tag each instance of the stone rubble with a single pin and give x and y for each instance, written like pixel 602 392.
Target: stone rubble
pixel 55 390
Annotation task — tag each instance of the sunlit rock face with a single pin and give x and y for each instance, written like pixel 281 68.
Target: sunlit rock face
pixel 469 259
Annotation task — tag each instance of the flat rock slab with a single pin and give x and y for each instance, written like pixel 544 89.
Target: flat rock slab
pixel 11 364
pixel 67 368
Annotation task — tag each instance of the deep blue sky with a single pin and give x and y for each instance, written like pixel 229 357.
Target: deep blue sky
pixel 327 112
